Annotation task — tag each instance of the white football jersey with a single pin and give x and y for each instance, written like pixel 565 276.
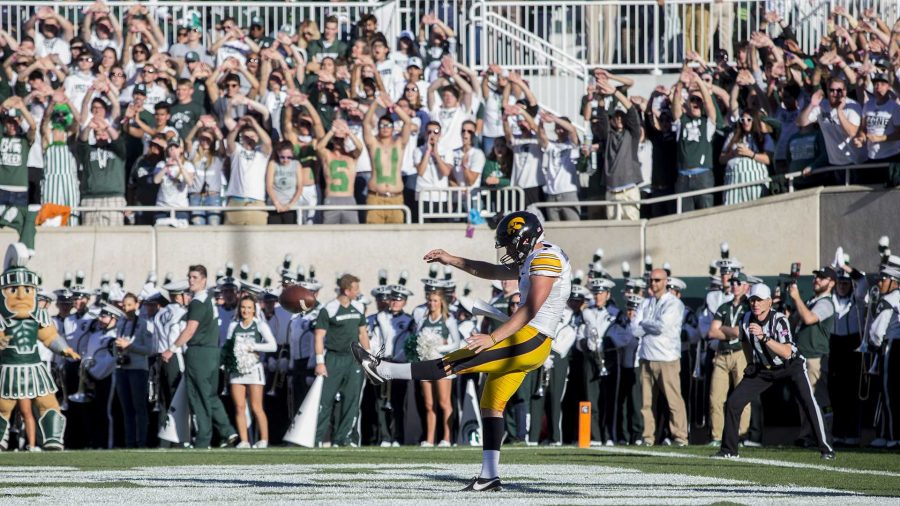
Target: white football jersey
pixel 552 262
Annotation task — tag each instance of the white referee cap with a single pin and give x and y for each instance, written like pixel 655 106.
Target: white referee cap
pixel 760 291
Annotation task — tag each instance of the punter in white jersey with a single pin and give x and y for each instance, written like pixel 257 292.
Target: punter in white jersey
pixel 519 345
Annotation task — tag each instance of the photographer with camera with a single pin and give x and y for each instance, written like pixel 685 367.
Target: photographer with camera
pixel 812 323
pixel 132 347
pixel 775 357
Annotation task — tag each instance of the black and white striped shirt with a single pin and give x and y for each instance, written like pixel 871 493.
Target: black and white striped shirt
pixel 777 328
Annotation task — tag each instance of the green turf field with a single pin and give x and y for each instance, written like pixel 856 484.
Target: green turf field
pixel 413 475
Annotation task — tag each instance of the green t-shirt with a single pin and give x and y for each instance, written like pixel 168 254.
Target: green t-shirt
pixel 184 117
pixel 317 50
pixel 730 316
pixel 14 162
pixel 201 310
pixel 341 325
pixel 695 143
pixel 103 169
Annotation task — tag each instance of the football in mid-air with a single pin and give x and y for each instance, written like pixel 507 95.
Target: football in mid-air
pixel 297 299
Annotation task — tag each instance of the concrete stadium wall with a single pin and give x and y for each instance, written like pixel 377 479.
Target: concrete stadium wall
pixel 766 236
pixel 854 218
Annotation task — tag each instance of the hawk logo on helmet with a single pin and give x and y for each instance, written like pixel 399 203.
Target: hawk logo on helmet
pixel 515 225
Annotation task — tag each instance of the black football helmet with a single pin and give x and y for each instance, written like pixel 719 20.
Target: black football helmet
pixel 518 232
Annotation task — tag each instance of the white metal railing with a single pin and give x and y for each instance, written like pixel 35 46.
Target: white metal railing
pixel 168 14
pixel 454 203
pixel 300 209
pixel 548 68
pixel 790 177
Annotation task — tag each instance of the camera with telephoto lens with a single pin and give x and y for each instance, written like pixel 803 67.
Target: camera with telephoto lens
pixel 784 283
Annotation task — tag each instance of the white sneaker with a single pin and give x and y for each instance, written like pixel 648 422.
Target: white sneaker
pixel 385 444
pixel 35 449
pixel 749 443
pixel 609 442
pixel 667 442
pixel 243 445
pixel 444 444
pixel 878 443
pixel 395 444
pixel 596 443
pixel 261 445
pixel 892 443
pixel 426 444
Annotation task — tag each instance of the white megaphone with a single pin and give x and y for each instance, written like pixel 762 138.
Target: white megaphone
pixel 177 428
pixel 470 421
pixel 302 431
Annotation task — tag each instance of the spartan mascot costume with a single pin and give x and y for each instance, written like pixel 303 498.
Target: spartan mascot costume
pixel 22 373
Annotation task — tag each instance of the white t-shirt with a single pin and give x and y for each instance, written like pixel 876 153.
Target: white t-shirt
pixel 274 102
pixel 526 163
pixel 100 44
pixel 476 164
pixel 363 163
pixel 45 47
pixel 173 191
pixel 233 48
pixel 882 119
pixel 451 121
pixel 645 156
pixel 432 177
pixel 248 174
pixel 840 147
pixel 77 85
pixel 208 176
pixel 493 115
pixel 560 168
pixel 408 166
pixel 391 74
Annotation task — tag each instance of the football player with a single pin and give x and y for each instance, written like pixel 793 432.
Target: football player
pixel 518 346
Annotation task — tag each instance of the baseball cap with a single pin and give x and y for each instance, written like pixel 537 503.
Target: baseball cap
pixel 256 21
pixel 140 89
pixel 414 61
pixel 739 277
pixel 192 57
pixel 760 291
pixel 826 272
pixel 288 29
pixel 881 76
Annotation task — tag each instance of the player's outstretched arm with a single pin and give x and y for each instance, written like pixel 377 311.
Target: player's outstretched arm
pixel 476 268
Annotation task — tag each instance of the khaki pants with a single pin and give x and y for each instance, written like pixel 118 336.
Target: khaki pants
pixel 245 217
pixel 728 371
pixel 602 32
pixel 384 215
pixel 663 376
pixel 629 212
pixel 722 14
pixel 696 29
pixel 818 381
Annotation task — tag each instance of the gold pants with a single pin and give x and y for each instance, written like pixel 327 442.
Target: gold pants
pixel 375 216
pixel 728 371
pixel 655 376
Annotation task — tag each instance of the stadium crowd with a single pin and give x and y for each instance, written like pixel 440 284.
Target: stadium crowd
pixel 104 112
pixel 654 370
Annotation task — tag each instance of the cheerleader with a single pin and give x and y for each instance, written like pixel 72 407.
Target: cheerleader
pixel 246 339
pixel 437 335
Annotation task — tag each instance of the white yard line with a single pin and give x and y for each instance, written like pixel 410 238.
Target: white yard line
pixel 766 462
pixel 394 484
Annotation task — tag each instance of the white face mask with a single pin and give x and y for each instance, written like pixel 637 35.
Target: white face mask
pixel 304 138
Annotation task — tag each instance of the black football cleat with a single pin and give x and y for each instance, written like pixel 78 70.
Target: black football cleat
pixel 368 362
pixel 723 454
pixel 828 455
pixel 483 485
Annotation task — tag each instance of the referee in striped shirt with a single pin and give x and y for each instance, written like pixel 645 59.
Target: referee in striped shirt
pixel 775 357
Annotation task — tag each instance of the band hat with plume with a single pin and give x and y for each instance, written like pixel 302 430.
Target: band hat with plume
pixel 677 284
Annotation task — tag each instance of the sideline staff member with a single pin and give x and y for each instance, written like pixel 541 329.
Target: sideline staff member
pixel 774 357
pixel 201 363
